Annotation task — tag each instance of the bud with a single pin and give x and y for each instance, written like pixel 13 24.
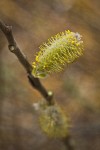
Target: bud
pixel 59 50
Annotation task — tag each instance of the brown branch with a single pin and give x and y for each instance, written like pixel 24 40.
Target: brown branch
pixel 68 142
pixel 13 47
pixel 35 82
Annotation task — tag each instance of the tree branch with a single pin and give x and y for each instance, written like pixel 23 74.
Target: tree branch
pixel 35 82
pixel 68 142
pixel 13 47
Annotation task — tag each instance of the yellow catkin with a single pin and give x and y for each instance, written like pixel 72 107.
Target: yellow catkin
pixel 62 49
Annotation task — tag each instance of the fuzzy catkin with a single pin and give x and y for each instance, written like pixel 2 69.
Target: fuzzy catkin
pixel 59 50
pixel 54 122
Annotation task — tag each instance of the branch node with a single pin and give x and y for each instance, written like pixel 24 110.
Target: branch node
pixel 50 93
pixel 8 29
pixel 12 48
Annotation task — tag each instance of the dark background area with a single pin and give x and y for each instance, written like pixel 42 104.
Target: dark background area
pixel 76 89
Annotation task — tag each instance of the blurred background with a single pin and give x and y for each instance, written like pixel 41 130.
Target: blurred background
pixel 76 89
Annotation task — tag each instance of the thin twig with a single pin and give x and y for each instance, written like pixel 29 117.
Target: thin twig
pixel 13 47
pixel 68 143
pixel 35 82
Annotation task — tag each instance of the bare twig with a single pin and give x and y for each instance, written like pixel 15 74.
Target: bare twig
pixel 35 82
pixel 13 47
pixel 68 143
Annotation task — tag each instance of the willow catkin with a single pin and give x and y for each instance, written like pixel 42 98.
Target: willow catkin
pixel 54 122
pixel 59 50
pixel 52 119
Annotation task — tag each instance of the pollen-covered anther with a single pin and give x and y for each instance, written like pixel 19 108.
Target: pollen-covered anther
pixel 34 65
